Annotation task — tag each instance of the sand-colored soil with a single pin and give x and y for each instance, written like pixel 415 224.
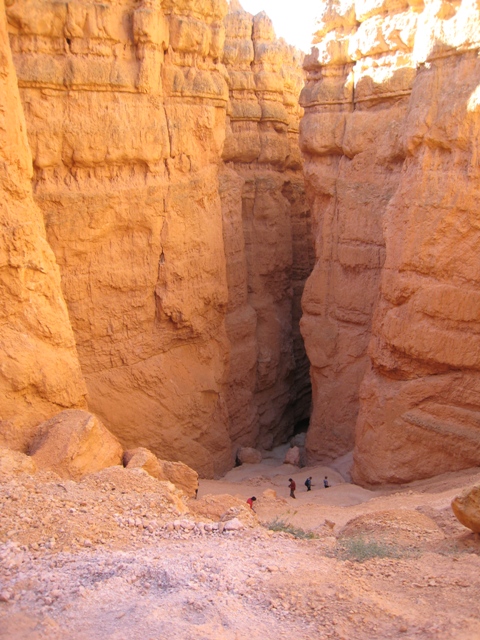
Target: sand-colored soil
pixel 101 559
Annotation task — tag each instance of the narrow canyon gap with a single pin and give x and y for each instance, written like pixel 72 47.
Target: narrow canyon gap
pixel 167 192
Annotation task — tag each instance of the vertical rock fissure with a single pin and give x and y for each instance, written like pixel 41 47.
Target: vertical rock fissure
pixel 268 260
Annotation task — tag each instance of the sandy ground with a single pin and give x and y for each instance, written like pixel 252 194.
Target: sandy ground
pixel 120 558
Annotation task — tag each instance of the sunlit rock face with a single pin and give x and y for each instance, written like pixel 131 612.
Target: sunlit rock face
pixel 391 322
pixel 130 111
pixel 39 368
pixel 125 105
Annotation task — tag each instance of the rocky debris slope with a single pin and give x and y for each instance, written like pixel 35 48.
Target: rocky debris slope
pixel 127 106
pixel 121 554
pixel 75 444
pixel 39 369
pixel 390 136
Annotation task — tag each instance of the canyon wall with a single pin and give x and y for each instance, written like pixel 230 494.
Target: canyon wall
pixel 39 369
pixel 267 236
pixel 391 323
pixel 176 262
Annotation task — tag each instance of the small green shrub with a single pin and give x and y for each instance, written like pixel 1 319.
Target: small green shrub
pixel 281 525
pixel 359 550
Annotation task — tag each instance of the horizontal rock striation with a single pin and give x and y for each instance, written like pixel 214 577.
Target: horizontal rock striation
pixel 125 105
pixel 39 368
pixel 390 135
pixel 129 109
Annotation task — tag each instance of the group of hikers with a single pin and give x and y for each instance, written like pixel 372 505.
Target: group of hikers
pixel 293 487
pixel 308 483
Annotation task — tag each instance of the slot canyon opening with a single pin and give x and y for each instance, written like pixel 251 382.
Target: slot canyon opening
pixel 190 207
pixel 270 254
pixel 301 427
pixel 173 198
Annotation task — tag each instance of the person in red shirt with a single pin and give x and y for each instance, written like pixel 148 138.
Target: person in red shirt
pixel 250 502
pixel 292 486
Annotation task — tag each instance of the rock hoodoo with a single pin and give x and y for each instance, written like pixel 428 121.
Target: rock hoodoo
pixel 391 133
pixel 166 167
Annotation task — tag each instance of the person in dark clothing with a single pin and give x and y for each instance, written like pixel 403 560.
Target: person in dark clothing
pixel 292 486
pixel 325 482
pixel 250 502
pixel 308 483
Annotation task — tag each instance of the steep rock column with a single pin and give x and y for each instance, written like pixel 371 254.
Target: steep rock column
pixel 266 233
pixel 355 100
pixel 125 105
pixel 420 403
pixel 126 108
pixel 39 369
pixel 391 135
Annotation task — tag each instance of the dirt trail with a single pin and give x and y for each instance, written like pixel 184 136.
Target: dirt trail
pixel 112 559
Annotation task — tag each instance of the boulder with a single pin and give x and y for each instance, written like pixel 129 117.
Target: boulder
pixel 179 474
pixel 293 456
pixel 74 443
pixel 13 462
pixel 223 507
pixel 466 508
pixel 233 525
pixel 399 528
pixel 249 455
pixel 298 440
pixel 142 458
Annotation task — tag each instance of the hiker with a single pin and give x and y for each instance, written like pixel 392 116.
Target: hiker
pixel 292 486
pixel 308 483
pixel 325 482
pixel 250 502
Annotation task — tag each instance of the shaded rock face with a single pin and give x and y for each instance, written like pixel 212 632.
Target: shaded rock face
pixel 39 368
pixel 268 241
pixel 128 105
pixel 391 134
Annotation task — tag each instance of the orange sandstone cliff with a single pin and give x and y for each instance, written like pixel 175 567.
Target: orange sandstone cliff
pixel 39 369
pixel 167 171
pixel 391 311
pixel 156 238
pixel 266 230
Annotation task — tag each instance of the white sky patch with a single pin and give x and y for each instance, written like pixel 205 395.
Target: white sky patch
pixel 474 101
pixel 293 21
